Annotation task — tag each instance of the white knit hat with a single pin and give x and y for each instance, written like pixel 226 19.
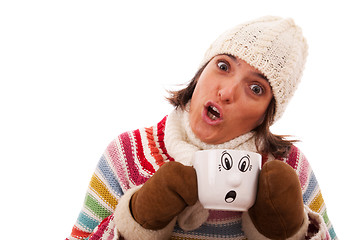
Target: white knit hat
pixel 273 45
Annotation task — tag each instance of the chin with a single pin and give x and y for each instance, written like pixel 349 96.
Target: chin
pixel 212 140
pixel 207 135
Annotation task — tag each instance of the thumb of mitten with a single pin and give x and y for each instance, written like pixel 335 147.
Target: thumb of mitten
pixel 166 194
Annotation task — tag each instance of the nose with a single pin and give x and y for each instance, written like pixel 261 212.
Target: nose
pixel 227 92
pixel 234 180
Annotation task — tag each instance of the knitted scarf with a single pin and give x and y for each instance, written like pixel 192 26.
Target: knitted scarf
pixel 181 143
pixel 134 156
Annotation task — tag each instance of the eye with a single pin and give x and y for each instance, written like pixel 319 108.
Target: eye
pixel 224 66
pixel 244 164
pixel 226 161
pixel 257 89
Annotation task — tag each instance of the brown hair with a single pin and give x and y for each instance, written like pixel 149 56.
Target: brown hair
pixel 266 142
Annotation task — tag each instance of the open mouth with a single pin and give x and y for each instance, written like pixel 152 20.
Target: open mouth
pixel 230 196
pixel 213 112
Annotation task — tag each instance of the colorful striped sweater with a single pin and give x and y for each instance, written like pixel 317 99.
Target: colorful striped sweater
pixel 134 156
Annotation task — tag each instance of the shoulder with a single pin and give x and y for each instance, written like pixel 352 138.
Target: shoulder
pixel 295 158
pixel 298 161
pixel 137 154
pixel 147 143
pixel 140 138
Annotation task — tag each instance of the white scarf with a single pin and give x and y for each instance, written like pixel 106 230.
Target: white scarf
pixel 181 142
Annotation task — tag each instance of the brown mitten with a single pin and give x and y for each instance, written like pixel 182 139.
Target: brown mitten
pixel 166 194
pixel 278 212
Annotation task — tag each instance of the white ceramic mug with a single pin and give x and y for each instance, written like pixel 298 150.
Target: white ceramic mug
pixel 227 179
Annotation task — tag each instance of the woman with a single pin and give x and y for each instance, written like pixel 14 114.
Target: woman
pixel 145 187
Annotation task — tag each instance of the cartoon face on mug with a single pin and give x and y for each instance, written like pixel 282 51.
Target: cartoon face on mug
pixel 227 179
pixel 234 169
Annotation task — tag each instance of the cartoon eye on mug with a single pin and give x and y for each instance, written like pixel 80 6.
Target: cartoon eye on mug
pixel 244 163
pixel 226 161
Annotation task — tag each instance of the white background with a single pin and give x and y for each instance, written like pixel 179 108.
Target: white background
pixel 74 74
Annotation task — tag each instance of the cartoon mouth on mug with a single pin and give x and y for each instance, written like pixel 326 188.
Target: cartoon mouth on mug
pixel 230 196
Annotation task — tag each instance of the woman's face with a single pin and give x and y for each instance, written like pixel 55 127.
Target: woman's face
pixel 230 99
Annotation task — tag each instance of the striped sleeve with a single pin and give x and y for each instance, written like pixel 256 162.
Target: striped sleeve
pixel 312 196
pixel 128 161
pixel 100 200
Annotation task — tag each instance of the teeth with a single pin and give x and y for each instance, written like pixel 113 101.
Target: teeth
pixel 215 110
pixel 213 113
pixel 213 117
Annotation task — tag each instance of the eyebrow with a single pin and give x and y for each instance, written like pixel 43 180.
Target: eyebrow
pixel 232 57
pixel 261 76
pixel 255 73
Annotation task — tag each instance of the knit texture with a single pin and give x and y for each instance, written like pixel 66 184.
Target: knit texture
pixel 134 156
pixel 273 45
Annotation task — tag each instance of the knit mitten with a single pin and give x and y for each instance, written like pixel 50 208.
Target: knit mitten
pixel 166 194
pixel 278 212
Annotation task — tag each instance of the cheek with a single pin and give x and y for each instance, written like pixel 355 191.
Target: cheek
pixel 195 107
pixel 251 115
pixel 251 111
pixel 195 101
pixel 201 92
pixel 201 86
pixel 258 114
pixel 206 82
